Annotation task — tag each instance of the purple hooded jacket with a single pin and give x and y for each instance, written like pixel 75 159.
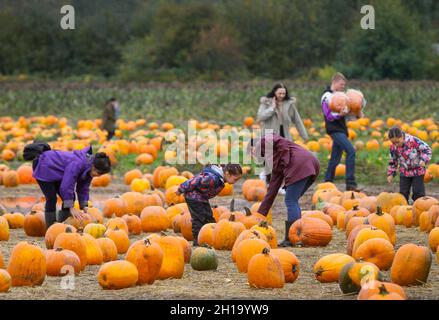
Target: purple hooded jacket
pixel 71 169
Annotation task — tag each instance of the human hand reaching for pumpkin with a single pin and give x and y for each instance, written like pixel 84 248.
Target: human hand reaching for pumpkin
pixel 77 214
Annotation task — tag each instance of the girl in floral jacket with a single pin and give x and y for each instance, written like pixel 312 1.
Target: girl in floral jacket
pixel 412 155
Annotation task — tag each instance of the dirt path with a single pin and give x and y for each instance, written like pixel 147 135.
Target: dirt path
pixel 226 282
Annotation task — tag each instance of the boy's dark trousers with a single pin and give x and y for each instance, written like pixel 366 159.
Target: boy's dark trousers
pixel 417 185
pixel 202 214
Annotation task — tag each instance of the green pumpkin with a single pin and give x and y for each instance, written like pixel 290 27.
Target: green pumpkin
pixel 353 274
pixel 204 258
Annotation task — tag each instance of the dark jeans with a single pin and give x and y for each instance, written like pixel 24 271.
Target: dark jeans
pixel 50 191
pixel 110 135
pixel 292 196
pixel 415 183
pixel 341 143
pixel 202 214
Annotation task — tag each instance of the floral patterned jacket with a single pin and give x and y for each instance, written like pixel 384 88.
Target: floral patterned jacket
pixel 408 157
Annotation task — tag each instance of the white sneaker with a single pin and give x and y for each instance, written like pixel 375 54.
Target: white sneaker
pixel 282 191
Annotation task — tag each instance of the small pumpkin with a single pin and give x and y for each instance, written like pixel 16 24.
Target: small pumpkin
pixel 94 252
pixel 420 205
pixel 268 231
pixel 289 262
pixel 433 239
pixel 34 224
pixel 154 219
pixel 96 230
pixel 134 223
pixel 205 236
pixel 310 232
pixel 385 222
pixel 120 238
pixel 118 275
pixel 118 223
pixel 377 251
pixel 4 229
pixel 15 220
pixel 384 294
pixel 226 232
pixel 246 250
pixel 328 268
pixel 5 281
pixel 59 260
pixel 108 249
pixel 53 232
pixel 372 287
pixel 204 258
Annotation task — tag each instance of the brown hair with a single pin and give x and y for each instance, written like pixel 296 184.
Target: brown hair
pixel 233 169
pixel 339 76
pixel 395 132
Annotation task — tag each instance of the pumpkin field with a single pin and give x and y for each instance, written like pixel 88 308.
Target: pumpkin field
pixel 135 241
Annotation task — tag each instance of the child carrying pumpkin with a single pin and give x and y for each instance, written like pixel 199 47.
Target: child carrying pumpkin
pixel 412 155
pixel 204 186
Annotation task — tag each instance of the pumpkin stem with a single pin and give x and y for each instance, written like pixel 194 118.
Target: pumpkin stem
pixel 263 224
pixel 147 242
pixel 352 196
pixel 232 205
pixel 266 250
pixel 232 217
pixel 68 230
pixel 379 211
pixel 59 249
pixel 248 213
pixel 356 208
pixel 383 290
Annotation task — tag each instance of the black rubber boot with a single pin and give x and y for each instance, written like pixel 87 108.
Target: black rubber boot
pixel 63 215
pixel 286 242
pixel 49 218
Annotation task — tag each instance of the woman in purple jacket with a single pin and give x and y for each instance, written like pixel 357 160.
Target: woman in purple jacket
pixel 291 166
pixel 60 172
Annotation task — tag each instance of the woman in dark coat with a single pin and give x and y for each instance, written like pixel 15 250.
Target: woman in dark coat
pixel 109 117
pixel 63 173
pixel 289 162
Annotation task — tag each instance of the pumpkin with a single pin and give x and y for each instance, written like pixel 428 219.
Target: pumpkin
pixel 355 221
pixel 5 281
pixel 119 223
pixel 355 101
pixel 341 220
pixel 80 224
pixel 135 202
pixel 385 222
pixel 289 262
pixel 10 179
pixel 204 258
pixel 369 203
pixel 255 209
pixel 372 287
pixel 387 201
pixel 131 175
pixel 34 224
pixel 96 230
pixel 356 212
pixel 2 263
pixel 58 259
pixel 227 190
pixel 53 232
pixel 15 220
pixel 366 234
pixel 186 226
pixel 96 215
pixel 174 181
pixel 324 195
pixel 140 185
pixel 205 236
pixel 377 251
pixel 411 265
pixel 118 275
pixel 246 250
pixel 338 101
pixel 246 234
pixel 172 198
pixel 350 203
pixel 164 174
pixel 108 249
pixel 433 239
pixel 175 210
pixel 332 210
pixel 173 257
pixel 428 218
pixel 328 268
pixel 265 271
pixel 114 206
pixel 254 190
pixel 354 275
pixel 120 238
pixel 94 252
pixel 134 223
pixel 226 232
pixel 353 235
pixel 404 216
pixel 144 159
pixel 4 229
pixel 420 205
pixel 27 265
pixel 154 219
pixel 218 212
pixel 310 232
pixel 383 294
pixel 25 174
pixel 187 249
pixel 318 215
pixel 251 219
pixel 71 240
pixel 101 181
pixel 148 258
pixel 269 233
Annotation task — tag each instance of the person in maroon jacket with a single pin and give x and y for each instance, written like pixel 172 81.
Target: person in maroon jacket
pixel 291 166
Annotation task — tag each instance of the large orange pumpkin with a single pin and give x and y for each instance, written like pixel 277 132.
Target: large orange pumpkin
pixel 154 219
pixel 226 232
pixel 377 251
pixel 205 236
pixel 246 234
pixel 34 224
pixel 420 205
pixel 120 238
pixel 310 232
pixel 328 268
pixel 114 206
pixel 148 258
pixel 27 265
pixel 108 249
pixel 372 287
pixel 134 223
pixel 60 262
pixel 411 265
pixel 265 271
pixel 73 241
pixel 289 262
pixel 366 234
pixel 388 200
pixel 118 275
pixel 246 250
pixel 94 252
pixel 173 257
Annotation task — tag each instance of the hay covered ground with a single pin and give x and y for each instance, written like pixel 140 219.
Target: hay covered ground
pixel 226 282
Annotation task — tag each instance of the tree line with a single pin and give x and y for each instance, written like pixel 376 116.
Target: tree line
pixel 168 40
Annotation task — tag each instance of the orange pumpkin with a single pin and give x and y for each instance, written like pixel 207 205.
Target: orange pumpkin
pixel 420 205
pixel 118 275
pixel 34 224
pixel 366 234
pixel 265 271
pixel 119 223
pixel 10 179
pixel 4 229
pixel 148 258
pixel 25 174
pixel 120 238
pixel 173 257
pixel 246 250
pixel 384 294
pixel 5 281
pixel 388 200
pixel 328 268
pixel 94 252
pixel 310 232
pixel 289 262
pixel 385 222
pixel 433 239
pixel 15 220
pixel 377 251
pixel 53 232
pixel 27 265
pixel 205 236
pixel 268 231
pixel 60 262
pixel 108 249
pixel 154 219
pixel 114 206
pixel 226 232
pixel 411 265
pixel 319 215
pixel 134 223
pixel 73 241
pixel 131 175
pixel 372 287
